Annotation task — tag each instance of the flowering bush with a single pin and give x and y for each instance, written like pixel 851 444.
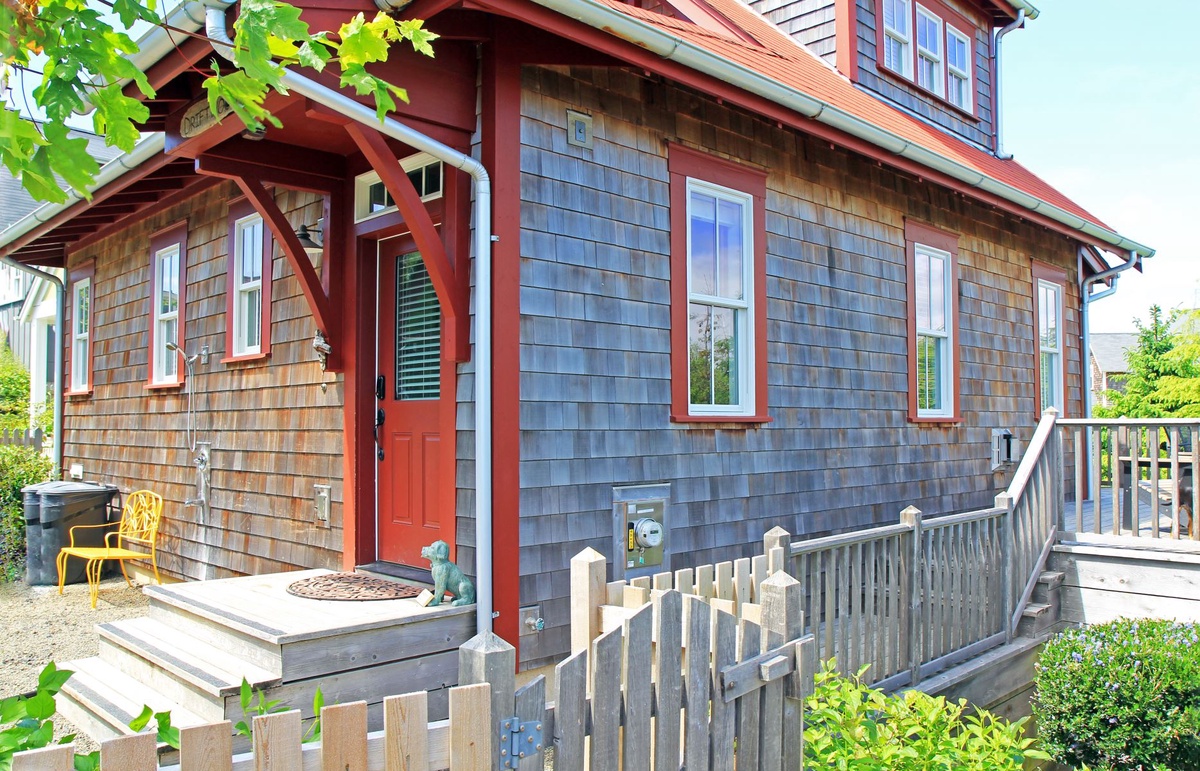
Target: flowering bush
pixel 1122 696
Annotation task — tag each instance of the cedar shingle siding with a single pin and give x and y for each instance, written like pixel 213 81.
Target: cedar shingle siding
pixel 274 431
pixel 839 452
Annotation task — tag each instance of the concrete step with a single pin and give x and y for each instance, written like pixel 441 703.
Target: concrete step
pixel 101 700
pixel 197 675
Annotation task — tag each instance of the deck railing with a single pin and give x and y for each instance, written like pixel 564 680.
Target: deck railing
pixel 1133 477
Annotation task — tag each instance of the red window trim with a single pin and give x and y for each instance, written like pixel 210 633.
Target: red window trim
pixel 948 16
pixel 175 234
pixel 927 235
pixel 85 270
pixel 682 163
pixel 239 208
pixel 1043 272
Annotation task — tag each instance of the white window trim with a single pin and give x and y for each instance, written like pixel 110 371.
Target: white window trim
pixel 936 57
pixel 744 309
pixel 968 81
pixel 241 325
pixel 1056 388
pixel 906 61
pixel 162 354
pixel 947 376
pixel 364 182
pixel 81 342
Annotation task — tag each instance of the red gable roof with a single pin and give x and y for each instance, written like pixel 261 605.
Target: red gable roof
pixel 786 61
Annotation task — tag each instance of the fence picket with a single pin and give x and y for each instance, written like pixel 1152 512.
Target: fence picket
pixel 723 715
pixel 136 752
pixel 405 730
pixel 206 747
pixel 749 646
pixel 344 737
pixel 606 701
pixel 668 692
pixel 277 741
pixel 570 713
pixel 742 579
pixel 470 708
pixel 696 668
pixel 57 757
pixel 636 674
pixel 530 701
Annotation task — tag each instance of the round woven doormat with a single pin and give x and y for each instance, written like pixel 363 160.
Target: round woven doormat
pixel 351 586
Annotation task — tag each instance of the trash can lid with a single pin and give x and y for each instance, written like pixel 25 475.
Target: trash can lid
pixel 64 487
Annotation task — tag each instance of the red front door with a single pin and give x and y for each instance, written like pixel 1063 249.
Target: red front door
pixel 415 411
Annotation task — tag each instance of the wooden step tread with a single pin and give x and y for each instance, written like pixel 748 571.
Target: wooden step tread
pixel 204 666
pixel 115 698
pixel 1035 610
pixel 1052 578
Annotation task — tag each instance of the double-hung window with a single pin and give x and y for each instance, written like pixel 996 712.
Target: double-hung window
pixel 897 38
pixel 1048 287
pixel 931 45
pixel 248 321
pixel 81 334
pixel 168 269
pixel 718 287
pixel 932 323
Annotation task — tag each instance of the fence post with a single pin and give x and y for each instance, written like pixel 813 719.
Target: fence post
pixel 776 538
pixel 487 658
pixel 911 517
pixel 783 621
pixel 1005 501
pixel 587 595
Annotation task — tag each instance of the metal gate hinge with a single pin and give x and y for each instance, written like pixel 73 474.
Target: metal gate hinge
pixel 518 740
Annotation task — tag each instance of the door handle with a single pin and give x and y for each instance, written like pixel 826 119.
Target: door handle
pixel 379 418
pixel 380 387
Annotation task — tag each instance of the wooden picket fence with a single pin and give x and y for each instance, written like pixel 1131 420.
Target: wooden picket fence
pixel 28 437
pixel 678 682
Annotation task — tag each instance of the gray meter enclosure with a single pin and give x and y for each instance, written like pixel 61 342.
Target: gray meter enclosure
pixel 641 535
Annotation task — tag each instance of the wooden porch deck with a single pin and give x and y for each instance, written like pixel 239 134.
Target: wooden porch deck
pixel 1149 521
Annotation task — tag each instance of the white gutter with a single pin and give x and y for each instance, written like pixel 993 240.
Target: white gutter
pixel 1027 8
pixel 482 237
pixel 143 151
pixel 676 49
pixel 999 130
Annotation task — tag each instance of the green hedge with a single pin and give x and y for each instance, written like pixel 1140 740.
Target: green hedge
pixel 1122 696
pixel 19 467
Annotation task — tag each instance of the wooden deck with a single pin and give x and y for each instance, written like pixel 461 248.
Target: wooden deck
pixel 1151 524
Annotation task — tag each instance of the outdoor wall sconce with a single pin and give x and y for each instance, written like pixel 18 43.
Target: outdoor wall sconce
pixel 311 245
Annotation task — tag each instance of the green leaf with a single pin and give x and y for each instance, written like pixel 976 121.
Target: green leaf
pixel 143 718
pixel 245 695
pixel 314 55
pixel 51 678
pixel 88 762
pixel 362 43
pixel 41 706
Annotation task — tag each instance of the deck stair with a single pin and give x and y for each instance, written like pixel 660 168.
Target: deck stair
pixel 1043 612
pixel 190 653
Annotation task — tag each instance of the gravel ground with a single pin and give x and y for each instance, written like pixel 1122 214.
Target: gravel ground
pixel 38 626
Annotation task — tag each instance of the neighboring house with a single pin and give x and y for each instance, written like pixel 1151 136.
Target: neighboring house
pixel 734 283
pixel 1107 358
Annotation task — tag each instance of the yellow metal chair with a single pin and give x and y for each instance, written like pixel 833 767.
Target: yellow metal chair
pixel 138 528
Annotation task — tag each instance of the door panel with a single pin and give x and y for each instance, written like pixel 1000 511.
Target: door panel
pixel 417 401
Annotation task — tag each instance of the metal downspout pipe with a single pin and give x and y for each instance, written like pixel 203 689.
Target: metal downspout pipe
pixel 482 242
pixel 60 292
pixel 1016 24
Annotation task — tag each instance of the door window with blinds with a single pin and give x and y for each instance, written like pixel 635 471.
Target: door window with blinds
pixel 418 331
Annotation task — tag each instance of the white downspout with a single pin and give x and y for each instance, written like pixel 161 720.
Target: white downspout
pixel 60 291
pixel 1016 24
pixel 482 241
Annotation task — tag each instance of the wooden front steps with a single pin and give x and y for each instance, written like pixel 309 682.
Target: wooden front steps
pixel 200 639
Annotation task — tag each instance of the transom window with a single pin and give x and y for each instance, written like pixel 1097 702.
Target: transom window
pixel 247 284
pixel 936 55
pixel 371 197
pixel 720 251
pixel 81 319
pixel 166 313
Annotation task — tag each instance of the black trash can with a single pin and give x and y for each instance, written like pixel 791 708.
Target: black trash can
pixel 59 507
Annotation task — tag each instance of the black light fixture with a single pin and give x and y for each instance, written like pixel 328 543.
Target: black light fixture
pixel 311 245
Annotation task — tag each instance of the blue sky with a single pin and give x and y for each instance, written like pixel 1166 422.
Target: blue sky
pixel 1102 99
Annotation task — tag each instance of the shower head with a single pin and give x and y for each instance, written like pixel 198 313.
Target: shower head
pixel 187 359
pixel 173 347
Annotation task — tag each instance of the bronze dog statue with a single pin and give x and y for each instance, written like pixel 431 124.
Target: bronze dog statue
pixel 447 578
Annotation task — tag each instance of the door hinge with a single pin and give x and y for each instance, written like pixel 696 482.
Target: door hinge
pixel 518 741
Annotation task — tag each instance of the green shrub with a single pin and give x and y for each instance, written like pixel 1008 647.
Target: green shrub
pixel 851 726
pixel 19 467
pixel 14 390
pixel 26 721
pixel 1122 695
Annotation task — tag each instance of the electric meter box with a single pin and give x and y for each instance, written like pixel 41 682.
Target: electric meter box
pixel 642 539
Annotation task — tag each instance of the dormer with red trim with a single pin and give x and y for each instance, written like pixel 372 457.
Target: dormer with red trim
pixel 934 59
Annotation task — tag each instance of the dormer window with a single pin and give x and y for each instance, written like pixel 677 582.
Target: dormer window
pixel 929 45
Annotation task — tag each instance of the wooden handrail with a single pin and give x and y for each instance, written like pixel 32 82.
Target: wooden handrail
pixel 847 539
pixel 1033 454
pixel 1130 422
pixel 964 518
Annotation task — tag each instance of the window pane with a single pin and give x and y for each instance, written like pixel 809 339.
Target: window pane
pixel 927 73
pixel 725 356
pixel 167 358
pixel 922 278
pixel 252 318
pixel 378 198
pixel 252 256
pixel 433 178
pixel 417 178
pixel 1049 380
pixel 956 52
pixel 83 309
pixel 957 91
pixel 895 55
pixel 732 241
pixel 700 353
pixel 927 34
pixel 929 373
pixel 418 331
pixel 1048 307
pixel 937 295
pixel 168 282
pixel 703 244
pixel 895 16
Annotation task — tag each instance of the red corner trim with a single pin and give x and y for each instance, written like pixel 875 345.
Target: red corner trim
pixel 845 17
pixel 927 235
pixel 682 163
pixel 173 234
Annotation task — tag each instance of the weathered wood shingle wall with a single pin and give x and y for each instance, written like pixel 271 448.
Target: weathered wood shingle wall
pixel 274 424
pixel 809 22
pixel 839 452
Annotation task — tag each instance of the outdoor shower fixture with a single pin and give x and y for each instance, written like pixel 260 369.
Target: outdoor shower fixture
pixel 201 453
